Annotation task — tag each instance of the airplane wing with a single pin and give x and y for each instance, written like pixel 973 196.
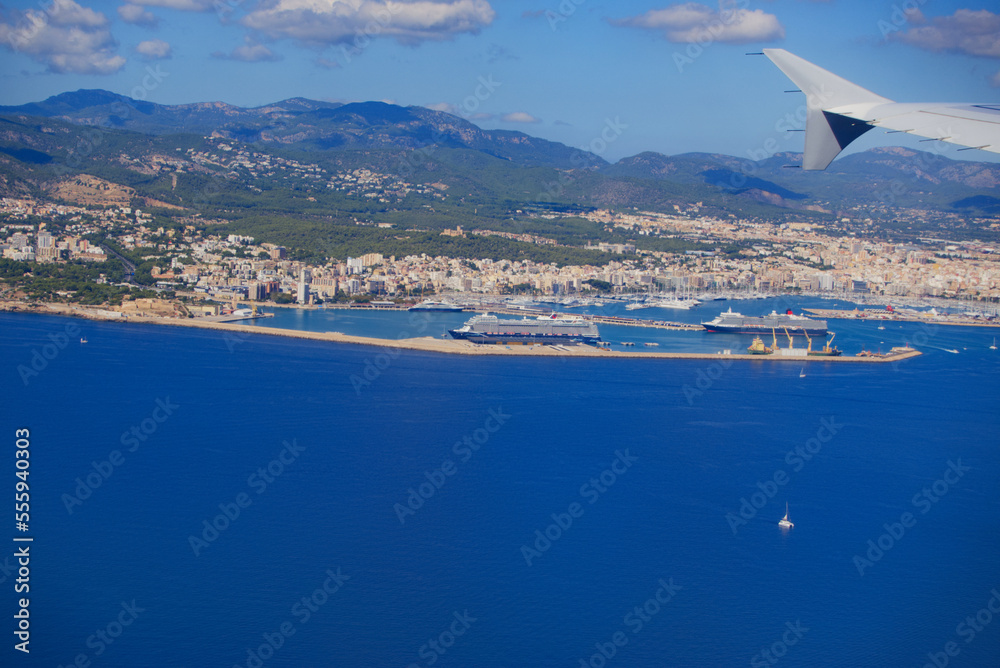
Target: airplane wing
pixel 838 112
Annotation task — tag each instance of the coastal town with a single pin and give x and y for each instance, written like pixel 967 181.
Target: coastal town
pixel 786 258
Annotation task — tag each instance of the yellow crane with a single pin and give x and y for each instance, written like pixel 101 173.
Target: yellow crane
pixel 828 348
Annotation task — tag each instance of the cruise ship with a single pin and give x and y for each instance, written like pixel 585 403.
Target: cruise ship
pixel 429 305
pixel 544 330
pixel 731 322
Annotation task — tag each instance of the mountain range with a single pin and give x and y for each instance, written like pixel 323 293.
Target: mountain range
pixel 491 165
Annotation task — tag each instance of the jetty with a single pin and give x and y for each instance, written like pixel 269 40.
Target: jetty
pixel 897 315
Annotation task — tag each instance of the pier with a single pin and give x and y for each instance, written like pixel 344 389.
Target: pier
pixel 881 315
pixel 456 347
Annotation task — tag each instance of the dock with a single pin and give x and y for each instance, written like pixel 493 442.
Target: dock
pixel 457 347
pixel 881 315
pixel 599 319
pixel 231 317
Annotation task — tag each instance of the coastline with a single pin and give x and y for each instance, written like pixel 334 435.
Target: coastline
pixel 433 345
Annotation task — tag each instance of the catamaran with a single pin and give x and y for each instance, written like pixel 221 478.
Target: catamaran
pixel 784 522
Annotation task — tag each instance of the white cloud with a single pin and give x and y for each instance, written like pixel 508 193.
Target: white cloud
pixel 976 33
pixel 335 22
pixel 136 15
pixel 65 37
pixel 519 117
pixel 446 107
pixel 251 52
pixel 154 48
pixel 692 22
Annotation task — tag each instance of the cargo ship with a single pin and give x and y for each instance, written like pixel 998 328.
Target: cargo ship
pixel 757 347
pixel 731 322
pixel 542 330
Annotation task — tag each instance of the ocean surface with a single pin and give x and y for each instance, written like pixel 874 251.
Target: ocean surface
pixel 205 499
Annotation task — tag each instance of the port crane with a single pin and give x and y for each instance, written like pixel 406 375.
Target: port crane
pixel 827 347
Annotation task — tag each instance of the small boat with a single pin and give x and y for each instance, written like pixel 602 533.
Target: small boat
pixel 83 339
pixel 881 326
pixel 994 346
pixel 802 372
pixel 784 522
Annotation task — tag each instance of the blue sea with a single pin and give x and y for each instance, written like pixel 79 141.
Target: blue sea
pixel 200 498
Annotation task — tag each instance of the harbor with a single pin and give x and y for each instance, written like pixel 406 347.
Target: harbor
pixel 620 335
pixel 457 347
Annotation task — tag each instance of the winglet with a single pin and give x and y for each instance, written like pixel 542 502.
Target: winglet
pixel 830 101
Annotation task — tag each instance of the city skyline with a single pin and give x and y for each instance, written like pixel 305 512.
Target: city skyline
pixel 563 71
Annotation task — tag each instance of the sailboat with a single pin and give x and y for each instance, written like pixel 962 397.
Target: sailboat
pixel 802 372
pixel 784 522
pixel 994 346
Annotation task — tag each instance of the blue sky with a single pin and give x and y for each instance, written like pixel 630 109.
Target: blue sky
pixel 619 78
